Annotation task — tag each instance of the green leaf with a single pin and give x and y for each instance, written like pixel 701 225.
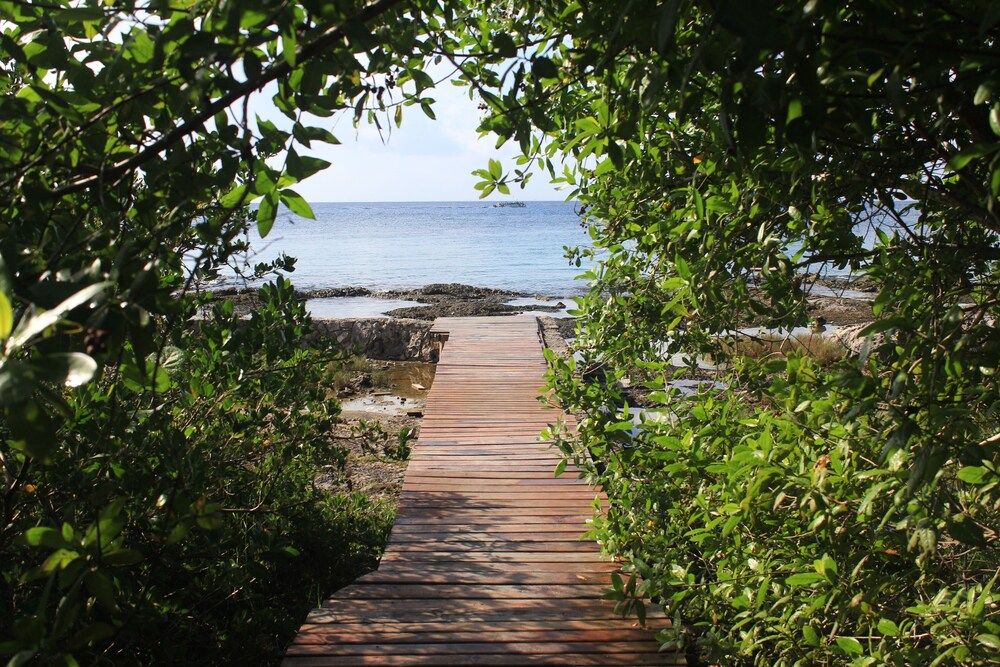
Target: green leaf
pixel 682 267
pixel 289 44
pixel 6 316
pixel 826 566
pixel 496 169
pixel 560 468
pixel 42 321
pixel 804 579
pixel 177 533
pixel 983 94
pixel 810 635
pixel 794 110
pixel 44 536
pixel 234 197
pixel 973 474
pixel 604 166
pixel 141 47
pixel 421 79
pixel 302 167
pixel 991 641
pixel 849 645
pixel 504 45
pixel 888 628
pixel 995 119
pixel 967 155
pixel 21 658
pixel 544 68
pixel 266 213
pixel 59 559
pixel 270 131
pixel 297 204
pixel 251 18
pixel 306 134
pixel 78 14
pixel 69 368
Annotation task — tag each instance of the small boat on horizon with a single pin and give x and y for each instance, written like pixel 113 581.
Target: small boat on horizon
pixel 509 204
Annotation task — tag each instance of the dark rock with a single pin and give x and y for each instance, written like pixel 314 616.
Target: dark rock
pixel 382 338
pixel 457 309
pixel 442 292
pixel 331 292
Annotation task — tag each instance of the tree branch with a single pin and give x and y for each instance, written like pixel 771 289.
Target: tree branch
pixel 111 174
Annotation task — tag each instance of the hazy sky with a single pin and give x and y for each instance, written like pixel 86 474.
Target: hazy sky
pixel 423 160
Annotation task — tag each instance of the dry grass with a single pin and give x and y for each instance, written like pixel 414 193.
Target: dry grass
pixel 343 373
pixel 820 348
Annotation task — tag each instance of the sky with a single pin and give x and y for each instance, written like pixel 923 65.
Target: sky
pixel 423 160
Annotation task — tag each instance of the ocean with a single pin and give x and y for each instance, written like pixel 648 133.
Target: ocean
pixel 402 245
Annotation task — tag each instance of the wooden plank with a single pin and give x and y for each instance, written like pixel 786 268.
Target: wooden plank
pixel 486 563
pixel 533 555
pixel 453 576
pixel 446 648
pixel 485 545
pixel 513 526
pixel 414 627
pixel 368 635
pixel 474 610
pixel 491 659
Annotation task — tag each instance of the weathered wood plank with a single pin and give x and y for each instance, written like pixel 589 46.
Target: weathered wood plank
pixel 490 659
pixel 486 564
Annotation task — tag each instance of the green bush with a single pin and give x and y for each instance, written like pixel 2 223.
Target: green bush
pixel 184 506
pixel 158 453
pixel 775 527
pixel 838 514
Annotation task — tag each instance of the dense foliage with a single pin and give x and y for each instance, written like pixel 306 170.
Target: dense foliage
pixel 806 513
pixel 183 509
pixel 159 454
pixel 158 466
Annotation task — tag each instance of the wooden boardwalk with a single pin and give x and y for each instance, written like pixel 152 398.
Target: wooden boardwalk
pixel 485 565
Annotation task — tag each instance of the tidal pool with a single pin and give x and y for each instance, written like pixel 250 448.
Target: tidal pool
pixel 355 306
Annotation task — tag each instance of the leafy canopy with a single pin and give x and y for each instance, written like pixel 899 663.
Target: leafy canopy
pixel 805 513
pixel 808 512
pixel 158 452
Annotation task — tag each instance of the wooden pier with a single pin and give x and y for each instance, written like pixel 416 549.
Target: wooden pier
pixel 485 564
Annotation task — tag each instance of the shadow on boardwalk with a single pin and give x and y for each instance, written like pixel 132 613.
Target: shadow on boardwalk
pixel 485 564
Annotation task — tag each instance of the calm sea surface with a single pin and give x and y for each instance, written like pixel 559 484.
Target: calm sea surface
pixel 401 245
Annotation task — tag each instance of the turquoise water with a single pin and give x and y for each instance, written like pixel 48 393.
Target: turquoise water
pixel 402 245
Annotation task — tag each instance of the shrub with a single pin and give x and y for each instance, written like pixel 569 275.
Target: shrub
pixel 838 514
pixel 182 505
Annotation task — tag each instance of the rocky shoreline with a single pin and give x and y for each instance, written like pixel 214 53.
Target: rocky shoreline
pixel 835 301
pixel 436 300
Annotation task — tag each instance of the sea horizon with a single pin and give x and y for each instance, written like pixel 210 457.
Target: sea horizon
pixel 390 245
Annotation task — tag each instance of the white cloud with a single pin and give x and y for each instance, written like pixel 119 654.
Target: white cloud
pixel 423 160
